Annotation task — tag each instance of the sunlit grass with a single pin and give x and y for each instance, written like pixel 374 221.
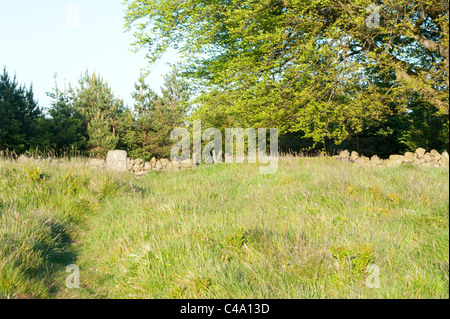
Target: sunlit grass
pixel 225 231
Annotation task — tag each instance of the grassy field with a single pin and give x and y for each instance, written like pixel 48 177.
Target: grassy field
pixel 314 229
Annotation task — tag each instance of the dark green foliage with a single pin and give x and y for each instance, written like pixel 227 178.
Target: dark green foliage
pixel 424 127
pixel 128 134
pixel 315 67
pixel 157 116
pixel 310 66
pixel 101 139
pixel 19 115
pixel 66 129
pixel 91 120
pixel 95 101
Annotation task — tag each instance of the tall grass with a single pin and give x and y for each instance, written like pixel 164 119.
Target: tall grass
pixel 311 230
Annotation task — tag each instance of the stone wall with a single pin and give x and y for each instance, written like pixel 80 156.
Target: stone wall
pixel 419 157
pixel 120 162
pixel 115 161
pixel 139 167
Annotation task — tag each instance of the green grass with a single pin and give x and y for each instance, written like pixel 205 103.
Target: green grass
pixel 311 230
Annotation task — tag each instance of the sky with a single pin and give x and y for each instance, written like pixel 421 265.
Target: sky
pixel 39 38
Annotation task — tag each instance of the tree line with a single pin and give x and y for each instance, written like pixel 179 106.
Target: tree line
pixel 364 75
pixel 89 120
pixel 368 75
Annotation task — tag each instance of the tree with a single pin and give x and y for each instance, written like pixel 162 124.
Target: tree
pixel 424 126
pixel 19 114
pixel 95 101
pixel 144 107
pixel 128 134
pixel 157 116
pixel 170 112
pixel 101 139
pixel 316 66
pixel 66 129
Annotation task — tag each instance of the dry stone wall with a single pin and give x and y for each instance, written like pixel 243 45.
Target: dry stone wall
pixel 119 161
pixel 419 157
pixel 139 167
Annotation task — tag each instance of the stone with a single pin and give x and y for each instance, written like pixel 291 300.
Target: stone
pixel 392 163
pixel 97 163
pixel 138 161
pixel 187 163
pixel 176 166
pixel 376 160
pixel 445 157
pixel 153 161
pixel 400 158
pixel 117 160
pixel 420 152
pixel 138 167
pixel 344 154
pixel 130 166
pixel 409 157
pixel 435 154
pixel 164 162
pixel 427 158
pixel 354 155
pixel 361 160
pixel 158 165
pixel 147 166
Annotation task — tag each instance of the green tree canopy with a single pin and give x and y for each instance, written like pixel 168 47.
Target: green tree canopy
pixel 157 116
pixel 323 67
pixel 19 114
pixel 101 110
pixel 66 129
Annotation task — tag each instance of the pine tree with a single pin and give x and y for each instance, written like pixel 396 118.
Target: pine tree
pixel 101 139
pixel 128 134
pixel 144 107
pixel 19 115
pixel 157 115
pixel 92 98
pixel 66 128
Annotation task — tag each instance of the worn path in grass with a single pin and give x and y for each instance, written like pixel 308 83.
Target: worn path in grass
pixel 314 229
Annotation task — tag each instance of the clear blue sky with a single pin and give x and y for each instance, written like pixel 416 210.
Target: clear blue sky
pixel 39 38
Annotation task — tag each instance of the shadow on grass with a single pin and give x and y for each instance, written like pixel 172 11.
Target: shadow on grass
pixel 57 253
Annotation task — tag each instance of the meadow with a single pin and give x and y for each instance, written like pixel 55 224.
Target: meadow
pixel 314 229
